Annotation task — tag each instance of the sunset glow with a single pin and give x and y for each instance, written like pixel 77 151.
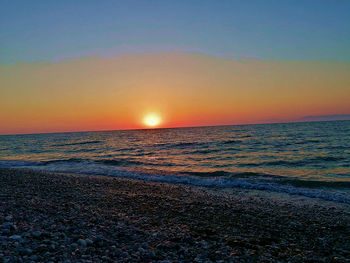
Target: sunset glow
pixel 152 120
pixel 191 90
pixel 66 72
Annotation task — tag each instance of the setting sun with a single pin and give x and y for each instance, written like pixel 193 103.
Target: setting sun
pixel 152 120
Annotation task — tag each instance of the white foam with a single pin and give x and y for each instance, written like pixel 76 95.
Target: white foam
pixel 92 168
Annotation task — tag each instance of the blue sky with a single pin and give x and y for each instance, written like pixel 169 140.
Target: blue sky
pixel 33 31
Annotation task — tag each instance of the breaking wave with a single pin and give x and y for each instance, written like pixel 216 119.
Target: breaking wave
pixel 296 163
pixel 330 191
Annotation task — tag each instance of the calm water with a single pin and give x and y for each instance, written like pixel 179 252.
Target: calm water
pixel 311 159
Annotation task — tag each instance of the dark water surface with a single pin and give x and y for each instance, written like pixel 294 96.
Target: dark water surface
pixel 311 159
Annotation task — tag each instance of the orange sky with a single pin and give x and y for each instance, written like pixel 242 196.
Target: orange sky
pixel 184 89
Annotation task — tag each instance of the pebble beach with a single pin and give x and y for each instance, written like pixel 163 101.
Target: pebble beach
pixel 51 217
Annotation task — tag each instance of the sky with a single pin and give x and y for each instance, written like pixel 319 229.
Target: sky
pixel 96 65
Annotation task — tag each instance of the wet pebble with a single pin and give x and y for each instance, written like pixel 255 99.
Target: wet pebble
pixel 8 218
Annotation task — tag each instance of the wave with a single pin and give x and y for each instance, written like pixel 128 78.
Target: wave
pixel 231 175
pixel 319 159
pixel 231 142
pixel 207 174
pixel 125 150
pixel 338 147
pixel 75 151
pixel 187 144
pixel 327 159
pixel 316 184
pixel 245 136
pixel 120 162
pixel 111 162
pixel 216 179
pixel 76 143
pixel 205 151
pixel 180 145
pixel 214 150
pixel 124 162
pixel 307 141
pixel 11 163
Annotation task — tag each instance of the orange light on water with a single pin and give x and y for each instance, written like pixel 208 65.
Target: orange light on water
pixel 152 120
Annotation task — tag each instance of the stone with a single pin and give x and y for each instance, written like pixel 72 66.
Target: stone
pixel 145 245
pixel 7 225
pixel 8 218
pixel 27 251
pixel 74 245
pixel 16 237
pixel 34 257
pixel 36 234
pixel 6 231
pixel 88 241
pixel 42 247
pixel 82 242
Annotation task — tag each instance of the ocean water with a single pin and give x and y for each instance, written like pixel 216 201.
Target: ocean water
pixel 310 159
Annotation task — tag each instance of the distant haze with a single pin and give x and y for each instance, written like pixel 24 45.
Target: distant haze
pixel 334 117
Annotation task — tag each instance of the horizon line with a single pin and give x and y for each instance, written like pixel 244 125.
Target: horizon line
pixel 176 127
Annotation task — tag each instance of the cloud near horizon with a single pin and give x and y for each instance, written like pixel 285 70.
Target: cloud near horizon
pixel 186 89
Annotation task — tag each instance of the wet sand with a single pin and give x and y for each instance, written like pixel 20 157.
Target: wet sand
pixel 75 218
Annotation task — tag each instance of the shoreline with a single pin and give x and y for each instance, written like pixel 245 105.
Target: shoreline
pixel 47 216
pixel 333 191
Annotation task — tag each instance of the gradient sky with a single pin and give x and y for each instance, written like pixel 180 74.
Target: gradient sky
pixel 90 65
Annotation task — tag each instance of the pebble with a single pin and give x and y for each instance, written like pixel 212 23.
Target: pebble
pixel 7 225
pixel 8 218
pixel 204 244
pixel 74 245
pixel 34 257
pixel 41 247
pixel 27 251
pixel 145 245
pixel 36 234
pixel 88 241
pixel 82 242
pixel 16 237
pixel 6 231
pixel 87 225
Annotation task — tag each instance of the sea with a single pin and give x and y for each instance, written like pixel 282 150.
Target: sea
pixel 310 159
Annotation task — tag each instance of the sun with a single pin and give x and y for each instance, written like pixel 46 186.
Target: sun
pixel 152 120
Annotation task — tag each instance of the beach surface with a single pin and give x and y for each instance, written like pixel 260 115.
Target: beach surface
pixel 78 218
